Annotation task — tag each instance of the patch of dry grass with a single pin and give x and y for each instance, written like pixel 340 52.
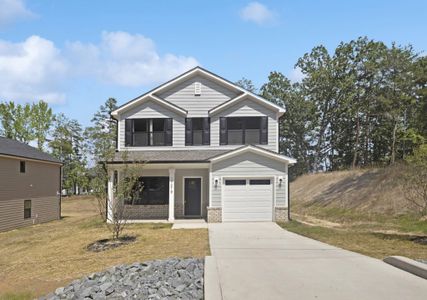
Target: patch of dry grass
pixel 371 243
pixel 40 258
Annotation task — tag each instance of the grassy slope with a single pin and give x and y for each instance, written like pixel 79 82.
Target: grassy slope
pixel 360 210
pixel 36 260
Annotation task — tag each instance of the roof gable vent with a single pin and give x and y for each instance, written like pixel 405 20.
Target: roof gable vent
pixel 197 89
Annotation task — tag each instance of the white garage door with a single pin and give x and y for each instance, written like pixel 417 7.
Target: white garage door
pixel 247 200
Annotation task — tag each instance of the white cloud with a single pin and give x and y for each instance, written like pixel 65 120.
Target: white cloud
pixel 36 69
pixel 127 59
pixel 257 13
pixel 31 70
pixel 296 75
pixel 11 10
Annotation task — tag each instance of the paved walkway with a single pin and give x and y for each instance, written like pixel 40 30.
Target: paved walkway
pixel 263 261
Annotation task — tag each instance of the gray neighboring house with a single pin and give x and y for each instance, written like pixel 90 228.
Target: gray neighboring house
pixel 206 148
pixel 30 185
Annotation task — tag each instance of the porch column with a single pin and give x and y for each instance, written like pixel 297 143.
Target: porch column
pixel 171 195
pixel 109 204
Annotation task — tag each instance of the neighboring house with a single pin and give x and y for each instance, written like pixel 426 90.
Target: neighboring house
pixel 207 149
pixel 30 184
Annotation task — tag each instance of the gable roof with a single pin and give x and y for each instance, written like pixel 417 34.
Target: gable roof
pixel 150 97
pixel 190 73
pixel 14 148
pixel 241 97
pixel 256 150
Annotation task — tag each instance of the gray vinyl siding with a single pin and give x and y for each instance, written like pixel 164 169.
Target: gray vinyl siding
pixel 249 164
pixel 40 184
pixel 247 108
pixel 151 109
pixel 212 95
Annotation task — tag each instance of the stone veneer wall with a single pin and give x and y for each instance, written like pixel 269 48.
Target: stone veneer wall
pixel 281 214
pixel 137 212
pixel 214 214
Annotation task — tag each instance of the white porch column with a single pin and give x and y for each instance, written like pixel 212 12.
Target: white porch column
pixel 109 207
pixel 171 195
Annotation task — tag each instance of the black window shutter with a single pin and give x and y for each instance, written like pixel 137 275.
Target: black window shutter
pixel 264 131
pixel 206 131
pixel 128 132
pixel 168 132
pixel 188 132
pixel 223 131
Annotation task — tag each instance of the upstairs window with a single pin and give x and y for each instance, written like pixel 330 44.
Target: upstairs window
pixel 148 132
pixel 27 209
pixel 243 130
pixel 197 131
pixel 22 166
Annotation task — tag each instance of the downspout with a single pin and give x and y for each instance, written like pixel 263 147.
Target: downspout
pixel 60 192
pixel 289 200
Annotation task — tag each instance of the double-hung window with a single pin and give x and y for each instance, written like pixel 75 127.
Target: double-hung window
pixel 27 209
pixel 148 132
pixel 197 131
pixel 243 130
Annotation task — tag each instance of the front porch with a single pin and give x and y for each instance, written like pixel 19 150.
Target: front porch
pixel 175 191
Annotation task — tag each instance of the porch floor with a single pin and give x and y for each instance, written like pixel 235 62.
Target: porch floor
pixel 189 224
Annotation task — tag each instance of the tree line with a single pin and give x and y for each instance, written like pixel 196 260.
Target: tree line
pixel 364 104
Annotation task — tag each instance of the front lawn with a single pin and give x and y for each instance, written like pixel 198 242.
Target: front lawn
pixel 366 239
pixel 36 260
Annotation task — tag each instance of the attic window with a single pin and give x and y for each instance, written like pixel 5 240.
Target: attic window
pixel 197 89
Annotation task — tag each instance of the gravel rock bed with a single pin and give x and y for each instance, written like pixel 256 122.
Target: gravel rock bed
pixel 158 279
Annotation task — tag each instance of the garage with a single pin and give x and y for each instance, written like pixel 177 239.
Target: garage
pixel 247 199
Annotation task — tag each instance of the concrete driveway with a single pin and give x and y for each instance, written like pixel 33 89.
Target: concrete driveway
pixel 263 261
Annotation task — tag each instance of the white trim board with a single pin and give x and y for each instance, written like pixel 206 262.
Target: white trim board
pixel 270 105
pixel 255 150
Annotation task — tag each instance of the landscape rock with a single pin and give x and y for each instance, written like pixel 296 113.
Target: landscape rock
pixel 172 278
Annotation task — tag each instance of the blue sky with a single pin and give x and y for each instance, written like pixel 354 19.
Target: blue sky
pixel 76 54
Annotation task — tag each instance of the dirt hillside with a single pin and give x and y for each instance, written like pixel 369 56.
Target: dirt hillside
pixel 368 190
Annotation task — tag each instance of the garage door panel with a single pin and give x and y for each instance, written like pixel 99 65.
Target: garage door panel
pixel 249 202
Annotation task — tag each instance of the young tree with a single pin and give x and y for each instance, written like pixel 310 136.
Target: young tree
pixel 126 189
pixel 41 121
pixel 415 179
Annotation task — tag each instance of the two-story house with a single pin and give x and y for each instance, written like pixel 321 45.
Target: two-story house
pixel 207 148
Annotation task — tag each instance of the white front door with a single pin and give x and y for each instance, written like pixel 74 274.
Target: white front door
pixel 247 199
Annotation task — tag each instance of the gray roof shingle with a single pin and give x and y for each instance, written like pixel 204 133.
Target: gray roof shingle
pixel 166 156
pixel 14 148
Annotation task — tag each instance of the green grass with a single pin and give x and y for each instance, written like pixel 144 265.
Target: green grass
pixel 365 241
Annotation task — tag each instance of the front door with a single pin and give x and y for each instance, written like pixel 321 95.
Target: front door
pixel 192 196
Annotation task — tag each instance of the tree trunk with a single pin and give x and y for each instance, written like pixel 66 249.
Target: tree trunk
pixel 393 145
pixel 356 143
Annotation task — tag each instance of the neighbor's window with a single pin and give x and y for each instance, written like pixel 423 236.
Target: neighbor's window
pixel 243 130
pixel 27 209
pixel 151 191
pixel 197 131
pixel 22 166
